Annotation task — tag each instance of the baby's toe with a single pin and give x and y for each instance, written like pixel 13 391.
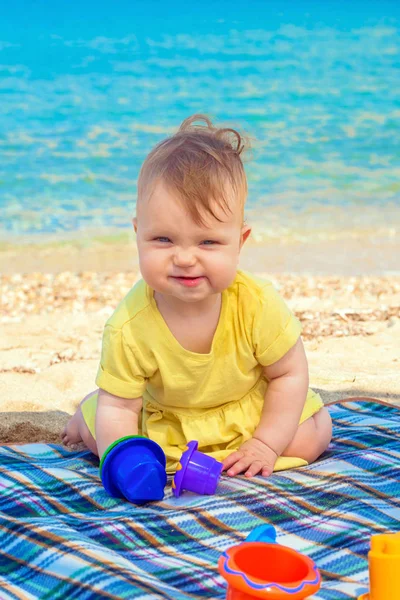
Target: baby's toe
pixel 69 443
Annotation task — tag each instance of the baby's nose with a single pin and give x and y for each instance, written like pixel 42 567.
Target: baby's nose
pixel 184 257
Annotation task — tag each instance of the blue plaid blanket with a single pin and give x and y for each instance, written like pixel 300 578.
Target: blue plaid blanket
pixel 62 536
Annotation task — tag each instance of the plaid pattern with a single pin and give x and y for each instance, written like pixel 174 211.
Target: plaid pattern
pixel 62 536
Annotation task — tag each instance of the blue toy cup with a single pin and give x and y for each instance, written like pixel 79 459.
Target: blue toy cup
pixel 262 533
pixel 134 468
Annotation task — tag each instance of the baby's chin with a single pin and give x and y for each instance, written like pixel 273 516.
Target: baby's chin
pixel 188 295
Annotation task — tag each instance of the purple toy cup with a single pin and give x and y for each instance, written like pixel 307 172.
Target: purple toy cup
pixel 134 468
pixel 196 472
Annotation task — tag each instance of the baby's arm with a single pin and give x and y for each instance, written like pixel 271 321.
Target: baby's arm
pixel 284 401
pixel 115 418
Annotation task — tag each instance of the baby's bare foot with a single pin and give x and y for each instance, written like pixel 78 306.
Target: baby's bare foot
pixel 71 435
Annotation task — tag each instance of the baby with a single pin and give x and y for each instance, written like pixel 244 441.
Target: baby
pixel 199 350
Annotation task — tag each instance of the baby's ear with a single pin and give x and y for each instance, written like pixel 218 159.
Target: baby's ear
pixel 246 231
pixel 134 223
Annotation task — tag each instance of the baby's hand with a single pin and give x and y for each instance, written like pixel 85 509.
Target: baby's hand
pixel 252 457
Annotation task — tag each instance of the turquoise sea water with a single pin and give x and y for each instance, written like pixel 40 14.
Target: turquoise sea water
pixel 87 89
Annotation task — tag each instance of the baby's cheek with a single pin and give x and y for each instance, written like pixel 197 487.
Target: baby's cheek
pixel 224 271
pixel 150 266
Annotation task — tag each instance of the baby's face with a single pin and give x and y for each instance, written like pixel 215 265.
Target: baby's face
pixel 181 258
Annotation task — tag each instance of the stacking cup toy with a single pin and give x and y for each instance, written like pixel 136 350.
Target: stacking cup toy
pixel 384 567
pixel 262 533
pixel 196 472
pixel 269 571
pixel 133 468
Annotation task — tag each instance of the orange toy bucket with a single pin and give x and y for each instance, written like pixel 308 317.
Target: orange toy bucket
pixel 269 571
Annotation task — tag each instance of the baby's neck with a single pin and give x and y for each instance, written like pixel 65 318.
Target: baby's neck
pixel 188 310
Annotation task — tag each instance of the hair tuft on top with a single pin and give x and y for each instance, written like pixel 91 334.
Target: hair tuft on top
pixel 188 124
pixel 202 164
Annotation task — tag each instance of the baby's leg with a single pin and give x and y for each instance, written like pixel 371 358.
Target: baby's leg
pixel 77 431
pixel 312 437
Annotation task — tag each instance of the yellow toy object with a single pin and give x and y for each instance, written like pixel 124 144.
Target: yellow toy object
pixel 384 568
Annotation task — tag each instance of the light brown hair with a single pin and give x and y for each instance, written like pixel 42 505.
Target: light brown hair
pixel 201 163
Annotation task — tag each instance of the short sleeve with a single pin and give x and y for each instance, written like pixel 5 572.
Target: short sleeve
pixel 275 328
pixel 120 372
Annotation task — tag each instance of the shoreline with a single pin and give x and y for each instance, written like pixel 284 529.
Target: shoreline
pixel 110 251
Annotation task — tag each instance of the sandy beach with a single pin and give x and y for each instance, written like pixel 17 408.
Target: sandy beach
pixel 52 319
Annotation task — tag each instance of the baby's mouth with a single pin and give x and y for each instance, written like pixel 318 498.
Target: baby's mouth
pixel 188 280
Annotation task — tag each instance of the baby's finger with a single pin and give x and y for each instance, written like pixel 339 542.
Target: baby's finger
pixel 255 467
pixel 267 471
pixel 240 466
pixel 232 459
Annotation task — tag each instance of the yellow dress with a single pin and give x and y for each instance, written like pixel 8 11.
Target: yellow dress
pixel 214 398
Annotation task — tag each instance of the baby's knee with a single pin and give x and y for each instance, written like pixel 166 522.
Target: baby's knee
pixel 312 437
pixel 86 436
pixel 323 426
pixel 321 435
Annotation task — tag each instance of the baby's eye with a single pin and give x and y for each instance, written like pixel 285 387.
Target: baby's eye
pixel 163 239
pixel 209 242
